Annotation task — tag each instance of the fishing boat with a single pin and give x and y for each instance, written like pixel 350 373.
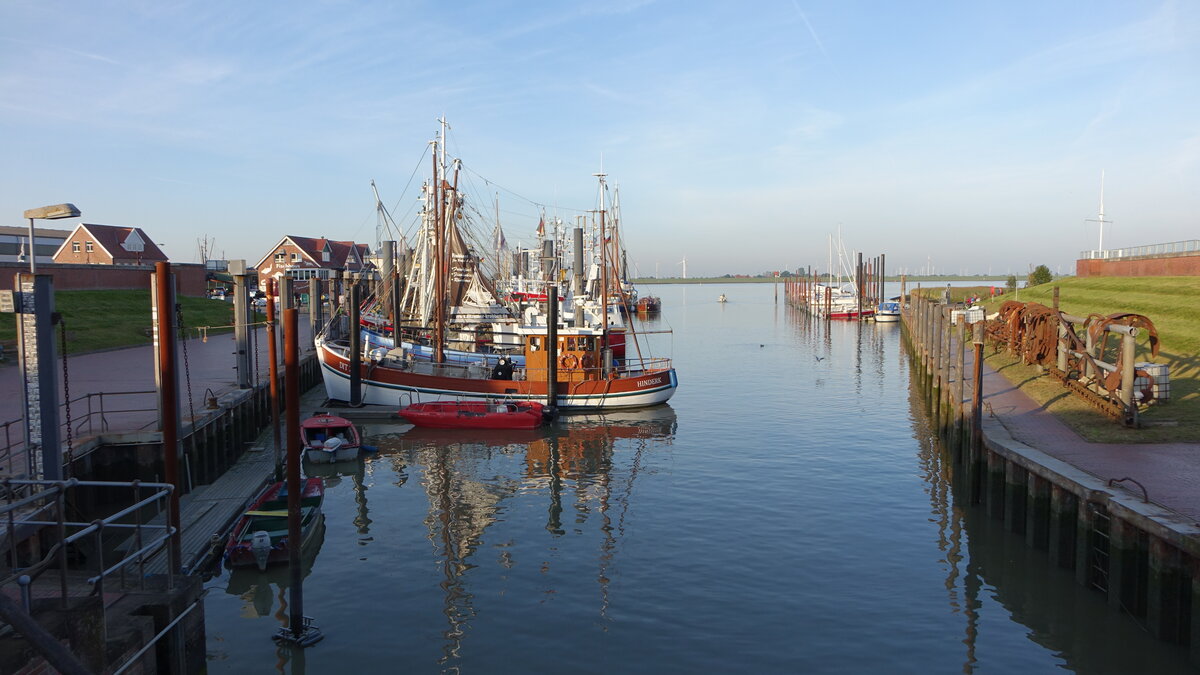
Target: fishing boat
pixel 587 363
pixel 260 536
pixel 887 312
pixel 649 304
pixel 475 415
pixel 586 377
pixel 329 438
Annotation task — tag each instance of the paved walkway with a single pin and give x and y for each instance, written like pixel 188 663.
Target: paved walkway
pixel 1170 472
pixel 211 366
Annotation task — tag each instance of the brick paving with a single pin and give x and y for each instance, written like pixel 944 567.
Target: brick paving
pixel 1170 472
pixel 211 365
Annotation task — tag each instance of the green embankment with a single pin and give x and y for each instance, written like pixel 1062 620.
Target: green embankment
pixel 1168 302
pixel 98 320
pixel 649 281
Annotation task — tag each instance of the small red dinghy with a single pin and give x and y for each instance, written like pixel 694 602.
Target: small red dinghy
pixel 474 415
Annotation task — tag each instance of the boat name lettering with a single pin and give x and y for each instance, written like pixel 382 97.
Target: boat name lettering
pixel 650 383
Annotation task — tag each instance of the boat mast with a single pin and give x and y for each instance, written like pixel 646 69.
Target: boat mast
pixel 829 260
pixel 439 274
pixel 603 270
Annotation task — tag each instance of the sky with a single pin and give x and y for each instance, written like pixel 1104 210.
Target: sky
pixel 742 136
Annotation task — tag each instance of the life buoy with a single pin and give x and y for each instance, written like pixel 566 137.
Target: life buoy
pixel 568 361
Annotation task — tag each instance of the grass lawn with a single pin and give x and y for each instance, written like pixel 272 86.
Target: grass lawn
pixel 98 320
pixel 1167 302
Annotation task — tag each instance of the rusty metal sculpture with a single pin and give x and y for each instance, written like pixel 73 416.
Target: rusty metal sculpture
pixel 1030 331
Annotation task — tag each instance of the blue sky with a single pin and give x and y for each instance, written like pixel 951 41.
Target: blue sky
pixel 965 136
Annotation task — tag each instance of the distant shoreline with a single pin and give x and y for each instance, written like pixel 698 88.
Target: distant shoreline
pixel 772 280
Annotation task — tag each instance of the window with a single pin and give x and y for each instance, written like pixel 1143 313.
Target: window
pixel 325 255
pixel 74 247
pixel 295 257
pixel 281 257
pixel 89 247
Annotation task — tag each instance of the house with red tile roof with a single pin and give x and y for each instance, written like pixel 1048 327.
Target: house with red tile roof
pixel 303 258
pixel 91 244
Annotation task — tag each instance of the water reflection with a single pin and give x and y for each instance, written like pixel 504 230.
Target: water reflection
pixel 987 566
pixel 265 593
pixel 470 478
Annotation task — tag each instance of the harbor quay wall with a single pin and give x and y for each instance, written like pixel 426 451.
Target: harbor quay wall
pixel 211 442
pixel 190 277
pixel 1145 559
pixel 1166 265
pixel 106 637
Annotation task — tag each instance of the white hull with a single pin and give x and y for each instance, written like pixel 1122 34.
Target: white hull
pixel 418 382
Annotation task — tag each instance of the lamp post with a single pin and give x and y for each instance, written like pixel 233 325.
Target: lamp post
pixel 55 212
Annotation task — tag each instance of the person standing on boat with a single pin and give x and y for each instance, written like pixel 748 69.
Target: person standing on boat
pixel 503 369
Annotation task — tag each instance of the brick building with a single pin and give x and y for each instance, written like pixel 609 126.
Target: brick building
pixel 304 258
pixel 90 244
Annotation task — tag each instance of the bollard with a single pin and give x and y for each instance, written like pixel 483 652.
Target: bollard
pixel 26 593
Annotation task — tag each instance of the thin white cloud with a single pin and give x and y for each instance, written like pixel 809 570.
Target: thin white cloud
pixel 1156 34
pixel 811 30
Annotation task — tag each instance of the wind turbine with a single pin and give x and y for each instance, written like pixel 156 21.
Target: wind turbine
pixel 684 263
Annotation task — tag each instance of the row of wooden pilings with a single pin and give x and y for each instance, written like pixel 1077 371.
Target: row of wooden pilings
pixel 1144 558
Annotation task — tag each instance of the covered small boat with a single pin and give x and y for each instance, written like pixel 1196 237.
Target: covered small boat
pixel 475 415
pixel 329 438
pixel 888 311
pixel 260 536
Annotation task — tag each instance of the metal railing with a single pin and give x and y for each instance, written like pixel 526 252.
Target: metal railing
pixel 45 507
pixel 1174 247
pixel 90 414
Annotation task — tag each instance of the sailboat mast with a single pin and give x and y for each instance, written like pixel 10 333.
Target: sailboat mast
pixel 603 272
pixel 439 266
pixel 1101 209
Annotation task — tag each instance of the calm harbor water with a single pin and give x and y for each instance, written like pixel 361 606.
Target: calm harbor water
pixel 788 511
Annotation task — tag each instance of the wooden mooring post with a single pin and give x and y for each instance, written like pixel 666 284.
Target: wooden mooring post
pixel 1111 547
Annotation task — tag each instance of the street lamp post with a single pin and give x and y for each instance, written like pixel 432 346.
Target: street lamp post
pixel 37 350
pixel 54 212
